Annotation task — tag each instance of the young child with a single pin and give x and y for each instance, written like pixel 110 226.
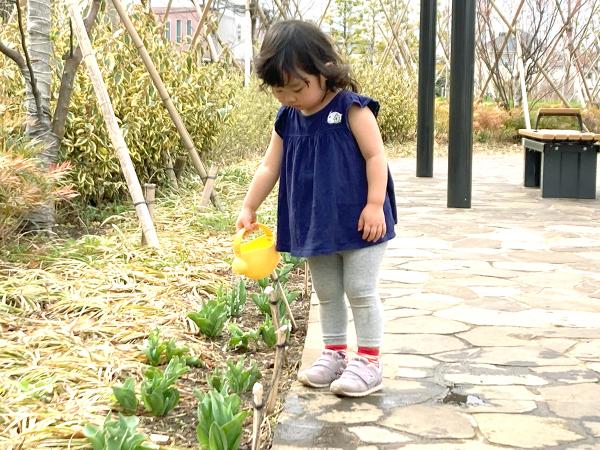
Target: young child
pixel 336 204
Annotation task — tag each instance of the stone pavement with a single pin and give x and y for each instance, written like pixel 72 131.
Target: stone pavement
pixel 492 325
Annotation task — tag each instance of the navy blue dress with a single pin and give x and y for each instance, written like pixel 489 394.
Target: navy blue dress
pixel 323 182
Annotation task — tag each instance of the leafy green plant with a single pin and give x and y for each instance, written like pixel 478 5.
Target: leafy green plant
pixel 264 282
pixel 248 123
pixel 158 393
pixel 216 380
pixel 287 258
pixel 147 128
pixel 234 297
pixel 397 93
pixel 125 395
pixel 160 352
pixel 240 339
pixel 283 273
pixel 289 263
pixel 120 434
pixel 219 421
pixel 153 348
pixel 268 333
pixel 211 318
pixel 261 300
pixel 239 377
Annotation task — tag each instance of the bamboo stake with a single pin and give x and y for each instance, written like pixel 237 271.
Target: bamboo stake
pixel 274 305
pixel 595 89
pixel 149 195
pixel 262 16
pixel 324 13
pixel 116 136
pixel 571 48
pixel 397 40
pixel 283 298
pixel 227 49
pixel 200 23
pixel 511 29
pixel 556 41
pixel 214 55
pixel 389 39
pixel 167 11
pixel 209 186
pixel 164 95
pixel 170 170
pixel 298 11
pixel 281 9
pixel 497 57
pixel 279 363
pixel 521 66
pixel 257 395
pixel 552 85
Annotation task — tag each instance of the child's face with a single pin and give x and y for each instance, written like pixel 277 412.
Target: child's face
pixel 300 94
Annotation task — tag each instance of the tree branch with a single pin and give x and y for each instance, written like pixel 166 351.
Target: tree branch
pixel 14 55
pixel 67 80
pixel 34 87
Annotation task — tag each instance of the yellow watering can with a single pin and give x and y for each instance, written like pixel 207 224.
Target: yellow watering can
pixel 256 258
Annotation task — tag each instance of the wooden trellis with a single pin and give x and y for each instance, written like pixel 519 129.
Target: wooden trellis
pixel 165 97
pixel 116 136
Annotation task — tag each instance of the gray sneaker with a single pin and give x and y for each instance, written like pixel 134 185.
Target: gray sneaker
pixel 360 378
pixel 327 368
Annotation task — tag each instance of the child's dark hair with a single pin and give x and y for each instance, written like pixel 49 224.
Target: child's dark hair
pixel 293 45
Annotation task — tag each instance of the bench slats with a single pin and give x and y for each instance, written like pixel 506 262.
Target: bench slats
pixel 559 135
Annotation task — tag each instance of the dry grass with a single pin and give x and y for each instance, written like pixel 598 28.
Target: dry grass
pixel 74 314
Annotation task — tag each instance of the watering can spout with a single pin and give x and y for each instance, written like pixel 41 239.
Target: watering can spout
pixel 256 258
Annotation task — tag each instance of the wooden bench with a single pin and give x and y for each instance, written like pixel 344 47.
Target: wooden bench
pixel 563 162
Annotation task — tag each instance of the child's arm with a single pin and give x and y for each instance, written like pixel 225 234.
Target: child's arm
pixel 262 184
pixel 366 131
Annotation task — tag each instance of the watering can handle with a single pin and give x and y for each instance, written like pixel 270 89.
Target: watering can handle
pixel 241 234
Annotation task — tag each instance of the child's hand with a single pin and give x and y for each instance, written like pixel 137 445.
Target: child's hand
pixel 372 222
pixel 246 219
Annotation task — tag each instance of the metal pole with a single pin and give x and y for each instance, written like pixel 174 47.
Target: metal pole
pixel 460 135
pixel 427 43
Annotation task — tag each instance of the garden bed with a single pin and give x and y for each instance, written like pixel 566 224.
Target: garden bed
pixel 76 314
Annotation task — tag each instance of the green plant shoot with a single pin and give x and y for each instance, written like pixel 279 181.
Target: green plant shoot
pixel 120 434
pixel 125 395
pixel 158 393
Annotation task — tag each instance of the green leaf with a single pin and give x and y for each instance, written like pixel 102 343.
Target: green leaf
pixel 233 430
pixel 125 395
pixel 216 438
pixel 94 436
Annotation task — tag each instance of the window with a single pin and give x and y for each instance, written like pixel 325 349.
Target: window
pixel 178 31
pixel 168 30
pixel 189 27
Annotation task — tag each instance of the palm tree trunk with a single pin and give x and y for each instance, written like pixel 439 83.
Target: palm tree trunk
pixel 39 123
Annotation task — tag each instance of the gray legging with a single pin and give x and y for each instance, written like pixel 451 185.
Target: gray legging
pixel 355 273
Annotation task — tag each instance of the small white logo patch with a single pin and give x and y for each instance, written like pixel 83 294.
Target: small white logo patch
pixel 334 117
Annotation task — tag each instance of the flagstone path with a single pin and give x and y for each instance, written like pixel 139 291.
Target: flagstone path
pixel 492 325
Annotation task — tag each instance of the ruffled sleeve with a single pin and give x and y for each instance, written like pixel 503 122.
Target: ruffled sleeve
pixel 280 121
pixel 353 98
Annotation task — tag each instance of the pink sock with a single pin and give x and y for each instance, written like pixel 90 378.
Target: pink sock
pixel 370 353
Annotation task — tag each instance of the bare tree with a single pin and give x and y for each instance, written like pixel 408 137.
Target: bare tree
pixel 497 50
